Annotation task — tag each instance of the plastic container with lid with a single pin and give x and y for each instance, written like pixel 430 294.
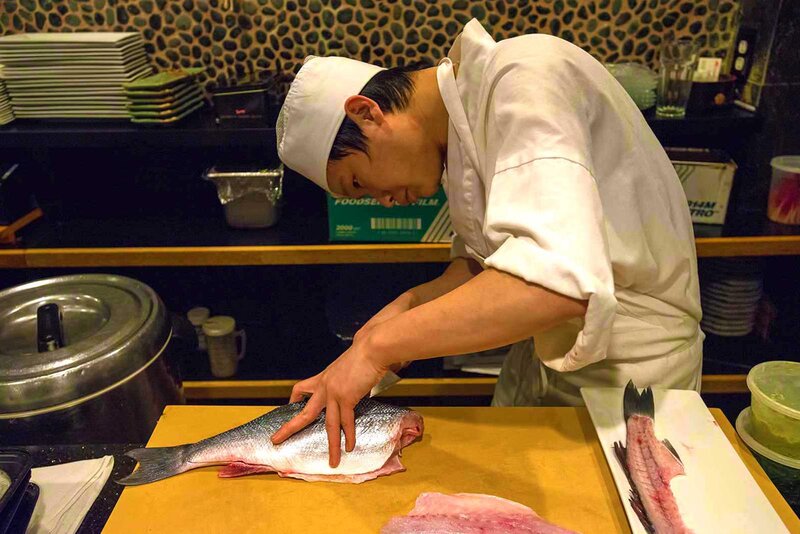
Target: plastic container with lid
pixel 775 407
pixel 784 191
pixel 221 337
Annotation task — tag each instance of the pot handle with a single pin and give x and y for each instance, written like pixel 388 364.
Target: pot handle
pixel 49 328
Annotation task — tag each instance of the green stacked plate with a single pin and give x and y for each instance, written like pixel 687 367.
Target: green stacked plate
pixel 165 97
pixel 6 112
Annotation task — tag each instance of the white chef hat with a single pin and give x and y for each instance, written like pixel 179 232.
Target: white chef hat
pixel 314 110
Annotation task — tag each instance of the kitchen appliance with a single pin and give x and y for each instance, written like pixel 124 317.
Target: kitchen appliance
pixel 84 359
pixel 248 100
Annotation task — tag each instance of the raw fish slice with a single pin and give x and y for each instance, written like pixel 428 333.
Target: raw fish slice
pixel 469 513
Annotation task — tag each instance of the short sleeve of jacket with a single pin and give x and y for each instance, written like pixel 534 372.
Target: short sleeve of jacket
pixel 547 218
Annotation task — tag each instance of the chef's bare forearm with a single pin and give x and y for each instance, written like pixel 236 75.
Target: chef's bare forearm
pixel 460 271
pixel 491 310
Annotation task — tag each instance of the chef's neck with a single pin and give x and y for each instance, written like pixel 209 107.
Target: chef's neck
pixel 428 109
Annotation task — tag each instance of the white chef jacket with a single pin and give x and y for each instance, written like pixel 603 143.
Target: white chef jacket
pixel 556 177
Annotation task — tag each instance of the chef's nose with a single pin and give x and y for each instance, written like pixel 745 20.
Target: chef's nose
pixel 385 198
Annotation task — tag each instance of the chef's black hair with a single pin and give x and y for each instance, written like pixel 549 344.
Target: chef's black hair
pixel 391 89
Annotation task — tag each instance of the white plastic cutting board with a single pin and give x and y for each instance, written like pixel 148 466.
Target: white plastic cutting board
pixel 717 494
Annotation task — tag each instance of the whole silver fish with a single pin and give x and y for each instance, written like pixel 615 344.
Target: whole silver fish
pixel 382 430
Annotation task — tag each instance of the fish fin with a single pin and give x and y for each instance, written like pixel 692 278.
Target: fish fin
pixel 671 449
pixel 157 463
pixel 240 469
pixel 635 500
pixel 634 403
pixel 647 403
pixel 638 508
pixel 621 453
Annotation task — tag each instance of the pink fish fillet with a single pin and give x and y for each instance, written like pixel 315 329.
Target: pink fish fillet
pixel 469 513
pixel 650 465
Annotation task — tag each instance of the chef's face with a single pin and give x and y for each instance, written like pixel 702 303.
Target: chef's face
pixel 402 162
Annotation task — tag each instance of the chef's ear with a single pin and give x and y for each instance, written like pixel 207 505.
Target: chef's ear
pixel 362 110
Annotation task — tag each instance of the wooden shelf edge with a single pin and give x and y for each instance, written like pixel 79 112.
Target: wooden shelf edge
pixel 718 247
pixel 720 384
pixel 409 387
pixel 323 254
pixel 237 255
pixel 12 259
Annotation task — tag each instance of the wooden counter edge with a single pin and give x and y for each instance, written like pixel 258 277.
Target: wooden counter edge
pixel 774 496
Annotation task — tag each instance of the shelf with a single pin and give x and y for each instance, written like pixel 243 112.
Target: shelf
pixel 409 387
pixel 201 130
pixel 723 123
pixel 321 254
pixel 198 130
pixel 299 239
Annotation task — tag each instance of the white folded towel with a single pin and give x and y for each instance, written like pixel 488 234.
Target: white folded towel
pixel 66 493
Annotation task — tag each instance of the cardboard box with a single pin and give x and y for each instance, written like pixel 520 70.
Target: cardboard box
pixel 707 178
pixel 364 219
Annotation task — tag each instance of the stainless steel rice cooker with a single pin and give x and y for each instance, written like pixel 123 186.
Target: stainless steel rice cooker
pixel 84 359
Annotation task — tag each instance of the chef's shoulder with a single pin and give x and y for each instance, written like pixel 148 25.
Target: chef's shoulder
pixel 540 55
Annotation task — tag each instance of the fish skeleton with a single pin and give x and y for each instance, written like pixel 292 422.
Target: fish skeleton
pixel 382 431
pixel 469 513
pixel 650 465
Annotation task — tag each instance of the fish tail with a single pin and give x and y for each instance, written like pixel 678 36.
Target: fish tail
pixel 635 403
pixel 157 463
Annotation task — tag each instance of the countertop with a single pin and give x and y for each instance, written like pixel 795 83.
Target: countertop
pixel 546 458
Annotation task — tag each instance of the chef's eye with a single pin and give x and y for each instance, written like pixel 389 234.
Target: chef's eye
pixel 356 184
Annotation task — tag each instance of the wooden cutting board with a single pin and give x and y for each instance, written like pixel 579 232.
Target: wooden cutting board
pixel 546 458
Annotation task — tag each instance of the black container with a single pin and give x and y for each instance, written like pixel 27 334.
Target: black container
pixel 25 510
pixel 708 96
pixel 248 100
pixel 17 465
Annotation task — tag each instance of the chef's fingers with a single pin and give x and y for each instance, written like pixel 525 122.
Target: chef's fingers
pixel 333 426
pixel 300 390
pixel 348 418
pixel 301 420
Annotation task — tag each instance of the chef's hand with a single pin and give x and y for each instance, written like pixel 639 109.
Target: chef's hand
pixel 337 389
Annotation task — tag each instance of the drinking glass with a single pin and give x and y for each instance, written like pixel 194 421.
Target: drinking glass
pixel 677 64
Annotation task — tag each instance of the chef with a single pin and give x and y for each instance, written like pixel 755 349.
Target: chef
pixel 573 236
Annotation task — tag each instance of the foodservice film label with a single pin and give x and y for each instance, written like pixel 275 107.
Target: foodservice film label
pixel 364 219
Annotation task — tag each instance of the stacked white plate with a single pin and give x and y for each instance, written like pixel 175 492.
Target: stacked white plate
pixel 6 112
pixel 72 75
pixel 730 290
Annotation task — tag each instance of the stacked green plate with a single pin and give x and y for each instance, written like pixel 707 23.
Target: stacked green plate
pixel 165 97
